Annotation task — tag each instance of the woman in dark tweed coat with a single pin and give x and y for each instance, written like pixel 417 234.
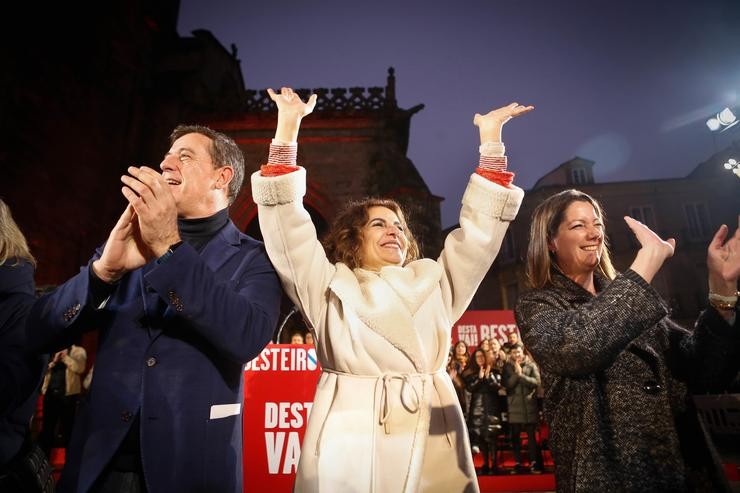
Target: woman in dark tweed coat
pixel 617 372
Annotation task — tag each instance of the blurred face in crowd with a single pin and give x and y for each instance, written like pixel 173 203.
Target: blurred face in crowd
pixel 495 346
pixel 517 354
pixel 309 338
pixel 513 338
pixel 383 239
pixel 296 339
pixel 579 241
pixel 485 344
pixel 461 348
pixel 480 358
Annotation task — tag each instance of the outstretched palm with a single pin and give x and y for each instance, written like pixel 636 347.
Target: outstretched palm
pixel 289 103
pixel 498 117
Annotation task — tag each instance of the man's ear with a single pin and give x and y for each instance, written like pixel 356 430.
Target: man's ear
pixel 223 177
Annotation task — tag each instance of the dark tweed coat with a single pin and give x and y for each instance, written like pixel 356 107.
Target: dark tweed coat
pixel 618 376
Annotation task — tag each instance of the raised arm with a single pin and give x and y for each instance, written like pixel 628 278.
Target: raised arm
pixel 489 204
pixel 289 235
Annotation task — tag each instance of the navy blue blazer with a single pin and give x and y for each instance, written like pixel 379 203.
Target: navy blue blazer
pixel 20 371
pixel 172 343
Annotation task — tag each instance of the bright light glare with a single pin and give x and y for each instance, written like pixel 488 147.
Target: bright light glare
pixel 726 117
pixel 713 124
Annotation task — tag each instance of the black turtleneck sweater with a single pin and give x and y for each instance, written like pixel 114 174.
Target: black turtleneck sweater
pixel 197 233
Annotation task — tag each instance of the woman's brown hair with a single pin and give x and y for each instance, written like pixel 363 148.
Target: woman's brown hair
pixel 344 241
pixel 544 227
pixel 12 242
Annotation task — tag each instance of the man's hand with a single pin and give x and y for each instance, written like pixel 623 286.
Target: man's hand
pixel 151 198
pixel 124 251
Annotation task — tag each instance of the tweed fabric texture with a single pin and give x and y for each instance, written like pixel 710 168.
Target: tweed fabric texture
pixel 618 375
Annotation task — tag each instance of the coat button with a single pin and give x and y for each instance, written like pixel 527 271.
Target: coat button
pixel 126 416
pixel 651 387
pixel 151 361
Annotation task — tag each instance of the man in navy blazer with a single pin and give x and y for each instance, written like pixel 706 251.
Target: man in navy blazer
pixel 181 300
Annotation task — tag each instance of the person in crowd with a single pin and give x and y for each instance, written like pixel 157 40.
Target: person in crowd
pixel 495 355
pixel 309 338
pixel 521 379
pixel 23 466
pixel 512 341
pixel 454 370
pixel 483 381
pixel 461 354
pixel 617 372
pixel 182 300
pixel 61 388
pixel 382 317
pixel 296 338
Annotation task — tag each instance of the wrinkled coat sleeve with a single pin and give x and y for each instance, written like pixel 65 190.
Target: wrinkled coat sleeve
pixel 469 251
pixel 580 340
pixel 237 316
pixel 291 241
pixel 20 370
pixel 707 358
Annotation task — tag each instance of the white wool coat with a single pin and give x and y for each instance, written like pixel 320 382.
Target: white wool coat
pixel 385 416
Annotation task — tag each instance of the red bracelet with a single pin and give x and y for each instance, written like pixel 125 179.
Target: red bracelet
pixel 277 169
pixel 503 178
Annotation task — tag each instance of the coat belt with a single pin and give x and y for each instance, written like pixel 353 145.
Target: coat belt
pixel 386 379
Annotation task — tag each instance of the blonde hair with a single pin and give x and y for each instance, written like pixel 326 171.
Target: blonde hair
pixel 544 227
pixel 12 242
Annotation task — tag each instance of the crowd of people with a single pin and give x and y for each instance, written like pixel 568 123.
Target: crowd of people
pixel 499 390
pixel 182 299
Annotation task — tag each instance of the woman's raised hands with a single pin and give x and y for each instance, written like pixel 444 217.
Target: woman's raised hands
pixel 290 112
pixel 491 123
pixel 289 103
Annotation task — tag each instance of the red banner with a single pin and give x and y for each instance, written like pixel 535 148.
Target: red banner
pixel 279 387
pixel 476 325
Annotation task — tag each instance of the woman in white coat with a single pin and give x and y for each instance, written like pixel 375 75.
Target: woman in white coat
pixel 385 415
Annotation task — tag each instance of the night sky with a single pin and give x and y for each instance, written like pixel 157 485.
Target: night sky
pixel 626 83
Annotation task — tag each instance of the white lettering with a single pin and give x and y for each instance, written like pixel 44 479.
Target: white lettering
pixel 271 412
pixel 274 443
pixel 292 454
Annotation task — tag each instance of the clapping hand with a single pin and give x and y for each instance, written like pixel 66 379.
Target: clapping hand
pixel 723 261
pixel 124 251
pixel 653 252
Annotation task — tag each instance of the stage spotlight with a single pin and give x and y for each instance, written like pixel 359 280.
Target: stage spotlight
pixel 722 121
pixel 733 165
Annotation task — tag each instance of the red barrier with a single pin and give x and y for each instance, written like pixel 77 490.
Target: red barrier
pixel 279 388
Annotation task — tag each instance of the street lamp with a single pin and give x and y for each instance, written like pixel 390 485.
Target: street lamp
pixel 733 165
pixel 724 120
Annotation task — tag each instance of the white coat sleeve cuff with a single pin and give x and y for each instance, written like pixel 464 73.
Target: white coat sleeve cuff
pixel 275 190
pixel 492 199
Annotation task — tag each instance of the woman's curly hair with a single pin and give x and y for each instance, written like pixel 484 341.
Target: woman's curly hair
pixel 343 243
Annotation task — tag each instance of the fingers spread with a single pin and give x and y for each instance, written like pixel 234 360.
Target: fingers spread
pixel 719 237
